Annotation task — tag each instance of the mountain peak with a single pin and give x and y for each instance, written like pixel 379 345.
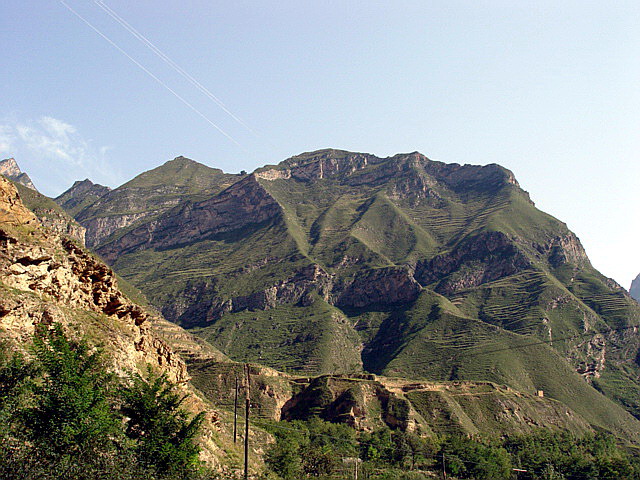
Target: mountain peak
pixel 10 169
pixel 9 166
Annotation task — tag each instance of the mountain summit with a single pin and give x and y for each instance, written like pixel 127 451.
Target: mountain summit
pixel 10 169
pixel 339 262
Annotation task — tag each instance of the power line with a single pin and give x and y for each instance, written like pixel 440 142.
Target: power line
pixel 127 26
pixel 144 69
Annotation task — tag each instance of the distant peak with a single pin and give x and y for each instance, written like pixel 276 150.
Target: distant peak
pixel 9 166
pixel 10 169
pixel 86 181
pixel 635 288
pixel 183 160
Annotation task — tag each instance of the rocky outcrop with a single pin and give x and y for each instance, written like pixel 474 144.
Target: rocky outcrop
pixel 242 205
pixel 50 215
pixel 61 224
pixel 318 165
pixel 564 249
pixel 10 169
pixel 47 278
pixel 12 211
pixel 634 290
pixel 383 286
pixel 480 259
pixel 362 403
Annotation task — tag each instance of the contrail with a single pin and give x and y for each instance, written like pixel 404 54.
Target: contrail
pixel 142 67
pixel 127 26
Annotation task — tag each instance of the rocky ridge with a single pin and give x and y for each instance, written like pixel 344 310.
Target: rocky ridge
pixel 10 169
pixel 103 211
pixel 56 277
pixel 80 195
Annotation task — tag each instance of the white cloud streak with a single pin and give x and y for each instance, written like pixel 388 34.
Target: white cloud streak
pixel 55 154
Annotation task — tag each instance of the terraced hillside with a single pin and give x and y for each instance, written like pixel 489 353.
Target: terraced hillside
pixel 333 261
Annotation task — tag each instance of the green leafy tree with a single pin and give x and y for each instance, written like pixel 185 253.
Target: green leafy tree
pixel 72 414
pixel 164 436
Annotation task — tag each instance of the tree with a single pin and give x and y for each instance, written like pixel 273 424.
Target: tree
pixel 163 434
pixel 72 414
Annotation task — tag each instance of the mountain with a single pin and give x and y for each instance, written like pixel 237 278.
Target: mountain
pixel 47 277
pixel 50 214
pixel 341 262
pixel 103 211
pixel 635 288
pixel 81 195
pixel 10 169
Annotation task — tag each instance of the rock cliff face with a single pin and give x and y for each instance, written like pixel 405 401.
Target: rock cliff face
pixel 12 211
pixel 10 169
pixel 481 259
pixel 240 206
pixel 635 288
pixel 104 212
pixel 46 278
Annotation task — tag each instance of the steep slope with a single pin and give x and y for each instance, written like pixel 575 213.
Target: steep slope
pixel 10 169
pixel 47 278
pixel 143 198
pixel 335 261
pixel 635 288
pixel 50 214
pixel 81 195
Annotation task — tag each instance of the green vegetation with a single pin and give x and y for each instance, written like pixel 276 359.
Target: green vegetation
pixel 508 294
pixel 65 417
pixel 149 195
pixel 317 449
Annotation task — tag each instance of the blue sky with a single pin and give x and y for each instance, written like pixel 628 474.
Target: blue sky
pixel 547 89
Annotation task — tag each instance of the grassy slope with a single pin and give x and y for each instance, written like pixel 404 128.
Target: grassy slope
pixel 346 228
pixel 153 192
pixel 38 203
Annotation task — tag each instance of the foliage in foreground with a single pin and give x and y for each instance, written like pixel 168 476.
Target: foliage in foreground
pixel 316 449
pixel 63 416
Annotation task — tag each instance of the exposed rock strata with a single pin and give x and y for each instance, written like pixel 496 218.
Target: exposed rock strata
pixel 10 169
pixel 479 260
pixel 244 204
pixel 58 280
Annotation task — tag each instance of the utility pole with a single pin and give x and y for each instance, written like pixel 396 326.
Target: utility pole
pixel 235 413
pixel 444 467
pixel 246 424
